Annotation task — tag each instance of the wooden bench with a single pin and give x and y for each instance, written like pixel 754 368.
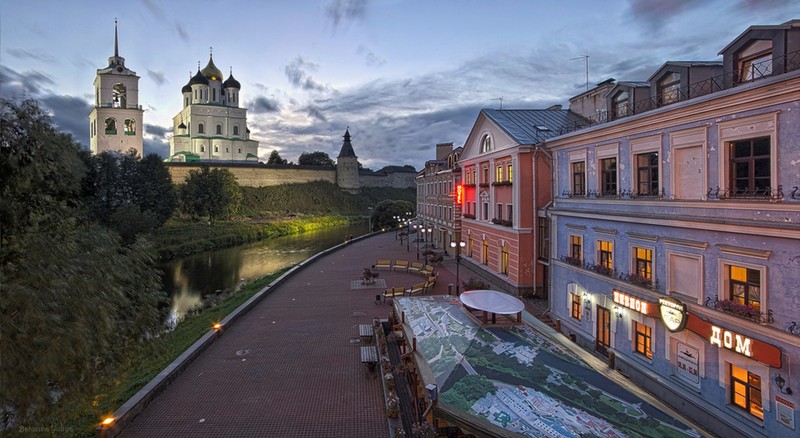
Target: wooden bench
pixel 427 271
pixel 415 267
pixel 366 332
pixel 393 292
pixel 400 265
pixel 418 288
pixel 383 264
pixel 369 357
pixel 431 282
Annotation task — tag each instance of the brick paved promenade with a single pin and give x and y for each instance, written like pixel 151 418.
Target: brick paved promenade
pixel 289 368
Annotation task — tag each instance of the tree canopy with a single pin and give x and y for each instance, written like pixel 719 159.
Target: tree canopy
pixel 275 158
pixel 211 193
pixel 316 158
pixel 383 216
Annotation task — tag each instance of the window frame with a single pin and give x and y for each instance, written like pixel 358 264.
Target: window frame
pixel 642 340
pixel 608 261
pixel 504 259
pixel 634 268
pixel 725 282
pixel 753 395
pixel 604 174
pixel 751 162
pixel 668 88
pixel 747 58
pixel 576 306
pixel 201 129
pixel 649 168
pixel 486 144
pixel 578 180
pixel 620 107
pixel 763 125
pixel 571 239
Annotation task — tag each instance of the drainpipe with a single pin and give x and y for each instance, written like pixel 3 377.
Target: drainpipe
pixel 539 148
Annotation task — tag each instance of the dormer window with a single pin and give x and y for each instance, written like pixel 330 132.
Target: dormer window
pixel 755 60
pixel 619 104
pixel 486 144
pixel 669 88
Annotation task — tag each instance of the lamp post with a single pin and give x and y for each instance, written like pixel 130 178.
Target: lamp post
pixel 417 242
pixel 370 220
pixel 408 235
pixel 457 250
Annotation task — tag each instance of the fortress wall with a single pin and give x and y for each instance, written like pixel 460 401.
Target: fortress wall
pixel 398 180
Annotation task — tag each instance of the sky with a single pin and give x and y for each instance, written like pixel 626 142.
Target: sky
pixel 403 75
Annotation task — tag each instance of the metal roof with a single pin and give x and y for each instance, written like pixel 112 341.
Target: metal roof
pixel 528 126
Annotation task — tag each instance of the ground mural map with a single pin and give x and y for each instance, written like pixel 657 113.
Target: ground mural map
pixel 517 379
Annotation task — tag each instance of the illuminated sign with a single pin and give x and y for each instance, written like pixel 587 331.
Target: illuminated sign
pixel 739 343
pixel 634 303
pixel 459 194
pixel 731 340
pixel 673 314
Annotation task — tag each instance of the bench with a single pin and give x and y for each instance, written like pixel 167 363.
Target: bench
pixel 427 271
pixel 415 267
pixel 366 332
pixel 369 357
pixel 393 292
pixel 383 264
pixel 418 288
pixel 400 265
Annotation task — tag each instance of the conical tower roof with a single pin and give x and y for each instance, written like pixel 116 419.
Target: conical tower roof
pixel 347 147
pixel 211 71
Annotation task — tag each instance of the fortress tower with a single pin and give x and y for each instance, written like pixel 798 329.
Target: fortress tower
pixel 347 166
pixel 115 122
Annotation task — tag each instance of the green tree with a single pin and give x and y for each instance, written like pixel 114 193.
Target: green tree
pixel 316 158
pixel 211 193
pixel 383 216
pixel 275 158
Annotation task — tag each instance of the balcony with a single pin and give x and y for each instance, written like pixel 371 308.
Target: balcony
pixel 501 183
pixel 632 278
pixel 740 310
pixel 502 222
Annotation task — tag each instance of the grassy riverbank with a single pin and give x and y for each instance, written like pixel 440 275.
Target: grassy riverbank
pixel 181 237
pixel 146 363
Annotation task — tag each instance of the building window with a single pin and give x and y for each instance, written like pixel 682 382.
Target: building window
pixel 469 245
pixel 606 254
pixel 485 252
pixel 499 215
pixel 219 129
pixel 576 247
pixel 669 88
pixel 575 308
pixel 755 60
pixel 485 175
pixel 201 129
pixel 202 148
pixel 509 173
pixel 643 339
pixel 504 260
pixel 744 286
pixel 130 127
pixel 619 104
pixel 510 212
pixel 643 262
pixel 750 166
pixel 579 178
pixel 216 148
pixel 746 391
pixel 240 150
pixel 498 177
pixel 236 130
pixel 608 176
pixel 485 211
pixel 214 94
pixel 111 126
pixel 486 144
pixel 647 174
pixel 544 238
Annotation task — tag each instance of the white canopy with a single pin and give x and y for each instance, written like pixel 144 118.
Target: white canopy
pixel 492 301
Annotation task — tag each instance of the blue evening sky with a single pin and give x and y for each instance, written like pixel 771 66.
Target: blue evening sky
pixel 402 74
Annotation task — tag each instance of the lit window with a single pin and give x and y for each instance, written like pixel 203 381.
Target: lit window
pixel 509 173
pixel 579 178
pixel 504 260
pixel 576 307
pixel 647 174
pixel 643 340
pixel 608 176
pixel 746 391
pixel 498 177
pixel 576 247
pixel 669 88
pixel 750 166
pixel 643 262
pixel 485 252
pixel 606 256
pixel 744 286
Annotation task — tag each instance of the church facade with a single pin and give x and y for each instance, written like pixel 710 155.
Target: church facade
pixel 211 125
pixel 115 122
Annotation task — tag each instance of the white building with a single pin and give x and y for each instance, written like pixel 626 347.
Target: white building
pixel 211 125
pixel 115 122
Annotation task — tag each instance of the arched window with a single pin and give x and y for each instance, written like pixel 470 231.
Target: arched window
pixel 219 129
pixel 130 127
pixel 240 150
pixel 216 148
pixel 120 96
pixel 186 102
pixel 200 128
pixel 214 94
pixel 111 125
pixel 486 144
pixel 202 148
pixel 236 130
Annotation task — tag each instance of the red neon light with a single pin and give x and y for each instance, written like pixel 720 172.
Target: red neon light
pixel 459 194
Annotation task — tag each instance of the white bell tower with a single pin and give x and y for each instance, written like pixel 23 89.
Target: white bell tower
pixel 116 121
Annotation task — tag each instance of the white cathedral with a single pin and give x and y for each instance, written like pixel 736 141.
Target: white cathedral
pixel 211 125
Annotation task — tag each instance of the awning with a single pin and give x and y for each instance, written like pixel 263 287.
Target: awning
pixel 492 301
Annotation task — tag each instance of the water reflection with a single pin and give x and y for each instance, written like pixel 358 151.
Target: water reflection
pixel 192 279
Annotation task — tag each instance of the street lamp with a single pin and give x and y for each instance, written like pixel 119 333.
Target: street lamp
pixel 370 219
pixel 457 250
pixel 416 243
pixel 408 235
pixel 396 226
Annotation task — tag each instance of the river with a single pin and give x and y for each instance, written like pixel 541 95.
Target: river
pixel 189 280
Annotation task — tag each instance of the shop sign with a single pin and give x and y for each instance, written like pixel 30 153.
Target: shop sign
pixel 459 194
pixel 688 363
pixel 785 412
pixel 632 302
pixel 730 340
pixel 673 314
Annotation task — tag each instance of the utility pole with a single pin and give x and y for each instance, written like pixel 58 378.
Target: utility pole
pixel 586 61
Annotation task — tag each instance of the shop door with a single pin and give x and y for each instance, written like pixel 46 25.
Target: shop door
pixel 603 330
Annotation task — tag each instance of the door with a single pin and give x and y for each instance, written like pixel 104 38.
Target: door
pixel 603 330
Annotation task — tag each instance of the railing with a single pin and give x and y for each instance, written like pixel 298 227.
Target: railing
pixel 771 67
pixel 795 193
pixel 501 183
pixel 632 278
pixel 741 310
pixel 623 194
pixel 767 193
pixel 502 222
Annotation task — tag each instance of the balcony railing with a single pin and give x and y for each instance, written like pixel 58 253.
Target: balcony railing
pixel 741 310
pixel 502 222
pixel 757 71
pixel 501 183
pixel 623 194
pixel 632 278
pixel 767 193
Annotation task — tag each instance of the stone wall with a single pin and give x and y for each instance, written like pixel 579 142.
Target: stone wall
pixel 260 175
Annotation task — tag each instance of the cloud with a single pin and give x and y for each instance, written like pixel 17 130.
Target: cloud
pixel 157 77
pixel 316 113
pixel 14 84
pixel 30 54
pixel 156 131
pixel 181 31
pixel 70 114
pixel 370 58
pixel 297 74
pixel 157 147
pixel 263 105
pixel 654 14
pixel 345 11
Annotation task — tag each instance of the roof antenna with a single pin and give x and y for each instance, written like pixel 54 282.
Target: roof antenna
pixel 586 60
pixel 501 101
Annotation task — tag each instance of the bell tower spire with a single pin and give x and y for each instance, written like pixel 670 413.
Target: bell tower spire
pixel 116 40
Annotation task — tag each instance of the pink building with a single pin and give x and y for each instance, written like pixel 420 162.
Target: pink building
pixel 507 180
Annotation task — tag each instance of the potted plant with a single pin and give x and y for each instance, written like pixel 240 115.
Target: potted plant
pixel 392 406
